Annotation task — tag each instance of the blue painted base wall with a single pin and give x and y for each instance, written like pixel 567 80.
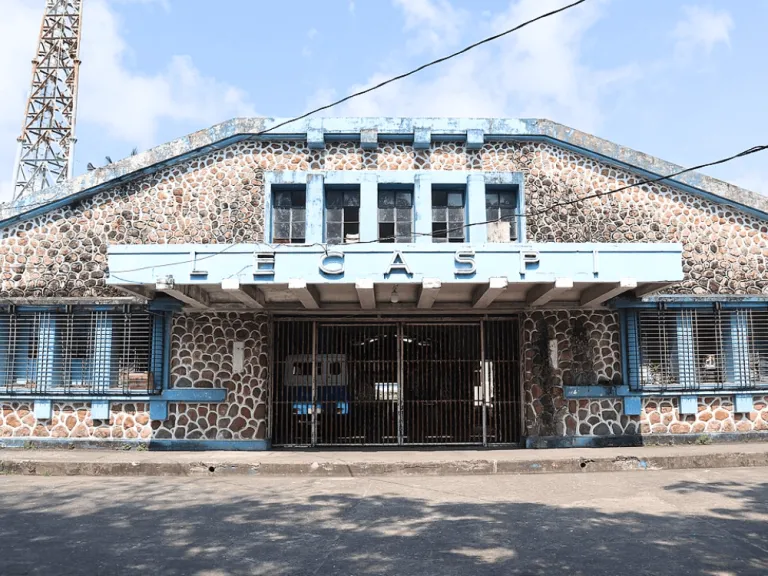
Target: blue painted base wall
pixel 154 445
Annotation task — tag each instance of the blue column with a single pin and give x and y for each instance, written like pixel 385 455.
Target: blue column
pixel 101 363
pixel 686 360
pixel 369 208
pixel 737 348
pixel 632 346
pixel 422 208
pixel 315 208
pixel 476 212
pixel 47 372
pixel 5 352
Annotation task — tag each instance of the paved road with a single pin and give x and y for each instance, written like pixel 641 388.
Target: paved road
pixel 681 523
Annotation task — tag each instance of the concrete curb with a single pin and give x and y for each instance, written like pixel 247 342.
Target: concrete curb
pixel 480 466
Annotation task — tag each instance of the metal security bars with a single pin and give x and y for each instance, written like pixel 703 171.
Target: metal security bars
pixel 698 348
pixel 84 352
pixel 395 383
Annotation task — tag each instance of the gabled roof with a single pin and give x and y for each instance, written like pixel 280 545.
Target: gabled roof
pixel 369 131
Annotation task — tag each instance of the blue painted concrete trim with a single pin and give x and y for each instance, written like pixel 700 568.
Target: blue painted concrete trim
pixel 195 395
pixel 660 263
pixel 192 395
pixel 743 403
pixel 589 392
pixel 236 445
pixel 689 404
pixel 475 201
pixel 164 304
pixel 160 445
pixel 733 302
pixel 633 405
pixel 158 410
pixel 422 208
pixel 315 209
pixel 422 138
pixel 475 139
pixel 100 410
pixel 369 208
pixel 227 133
pixel 43 409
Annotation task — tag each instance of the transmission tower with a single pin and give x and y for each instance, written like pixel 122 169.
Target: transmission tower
pixel 47 138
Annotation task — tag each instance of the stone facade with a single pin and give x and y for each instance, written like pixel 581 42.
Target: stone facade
pixel 218 199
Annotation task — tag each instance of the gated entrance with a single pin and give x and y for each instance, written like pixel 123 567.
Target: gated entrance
pixel 395 383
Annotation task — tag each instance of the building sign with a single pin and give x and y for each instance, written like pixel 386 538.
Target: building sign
pixel 331 263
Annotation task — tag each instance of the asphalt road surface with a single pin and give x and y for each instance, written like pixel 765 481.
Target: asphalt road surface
pixel 680 523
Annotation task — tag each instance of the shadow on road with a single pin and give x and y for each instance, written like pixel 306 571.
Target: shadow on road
pixel 211 527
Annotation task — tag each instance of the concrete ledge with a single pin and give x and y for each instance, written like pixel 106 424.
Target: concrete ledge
pixel 384 463
pixel 626 441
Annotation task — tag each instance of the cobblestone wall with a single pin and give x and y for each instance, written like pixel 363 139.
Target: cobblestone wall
pixel 218 198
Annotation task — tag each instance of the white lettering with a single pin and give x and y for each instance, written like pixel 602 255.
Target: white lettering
pixel 398 263
pixel 465 257
pixel 528 257
pixel 332 268
pixel 264 264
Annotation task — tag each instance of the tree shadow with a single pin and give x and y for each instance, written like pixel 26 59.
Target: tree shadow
pixel 231 527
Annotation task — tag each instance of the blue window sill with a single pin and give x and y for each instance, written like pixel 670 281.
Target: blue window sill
pixel 621 391
pixel 173 395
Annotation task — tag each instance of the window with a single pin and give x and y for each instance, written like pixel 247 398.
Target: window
pixel 289 214
pixel 395 214
pixel 81 351
pixel 448 214
pixel 342 214
pixel 697 348
pixel 500 205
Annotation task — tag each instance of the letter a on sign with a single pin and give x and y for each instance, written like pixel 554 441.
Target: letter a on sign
pixel 398 263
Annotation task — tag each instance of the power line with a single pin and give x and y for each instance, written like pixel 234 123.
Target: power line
pixel 381 84
pixel 423 67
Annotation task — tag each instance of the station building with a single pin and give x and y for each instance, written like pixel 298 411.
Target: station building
pixel 384 282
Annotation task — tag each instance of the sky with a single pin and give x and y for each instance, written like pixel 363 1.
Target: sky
pixel 684 80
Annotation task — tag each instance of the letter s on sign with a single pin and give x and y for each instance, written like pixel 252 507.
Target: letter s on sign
pixel 465 257
pixel 335 268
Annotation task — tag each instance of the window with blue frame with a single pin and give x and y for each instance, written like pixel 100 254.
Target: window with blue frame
pixel 81 351
pixel 701 348
pixel 395 214
pixel 448 213
pixel 500 212
pixel 289 208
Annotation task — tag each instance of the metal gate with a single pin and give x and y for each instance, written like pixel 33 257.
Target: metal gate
pixel 395 383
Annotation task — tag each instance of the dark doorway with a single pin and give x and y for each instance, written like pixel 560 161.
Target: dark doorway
pixel 395 383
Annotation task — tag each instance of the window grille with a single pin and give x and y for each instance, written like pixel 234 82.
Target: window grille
pixel 342 215
pixel 698 348
pixel 447 214
pixel 81 352
pixel 395 215
pixel 289 214
pixel 500 205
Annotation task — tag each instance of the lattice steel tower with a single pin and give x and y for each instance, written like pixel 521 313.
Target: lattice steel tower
pixel 47 138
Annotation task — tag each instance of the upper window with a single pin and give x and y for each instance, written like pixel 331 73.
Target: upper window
pixel 448 214
pixel 342 214
pixel 289 214
pixel 698 348
pixel 80 352
pixel 500 205
pixel 395 214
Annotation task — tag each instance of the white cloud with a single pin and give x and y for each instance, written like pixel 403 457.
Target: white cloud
pixel 126 104
pixel 130 105
pixel 701 29
pixel 435 23
pixel 351 5
pixel 537 72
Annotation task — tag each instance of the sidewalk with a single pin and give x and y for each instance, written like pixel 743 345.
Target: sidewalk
pixel 377 463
